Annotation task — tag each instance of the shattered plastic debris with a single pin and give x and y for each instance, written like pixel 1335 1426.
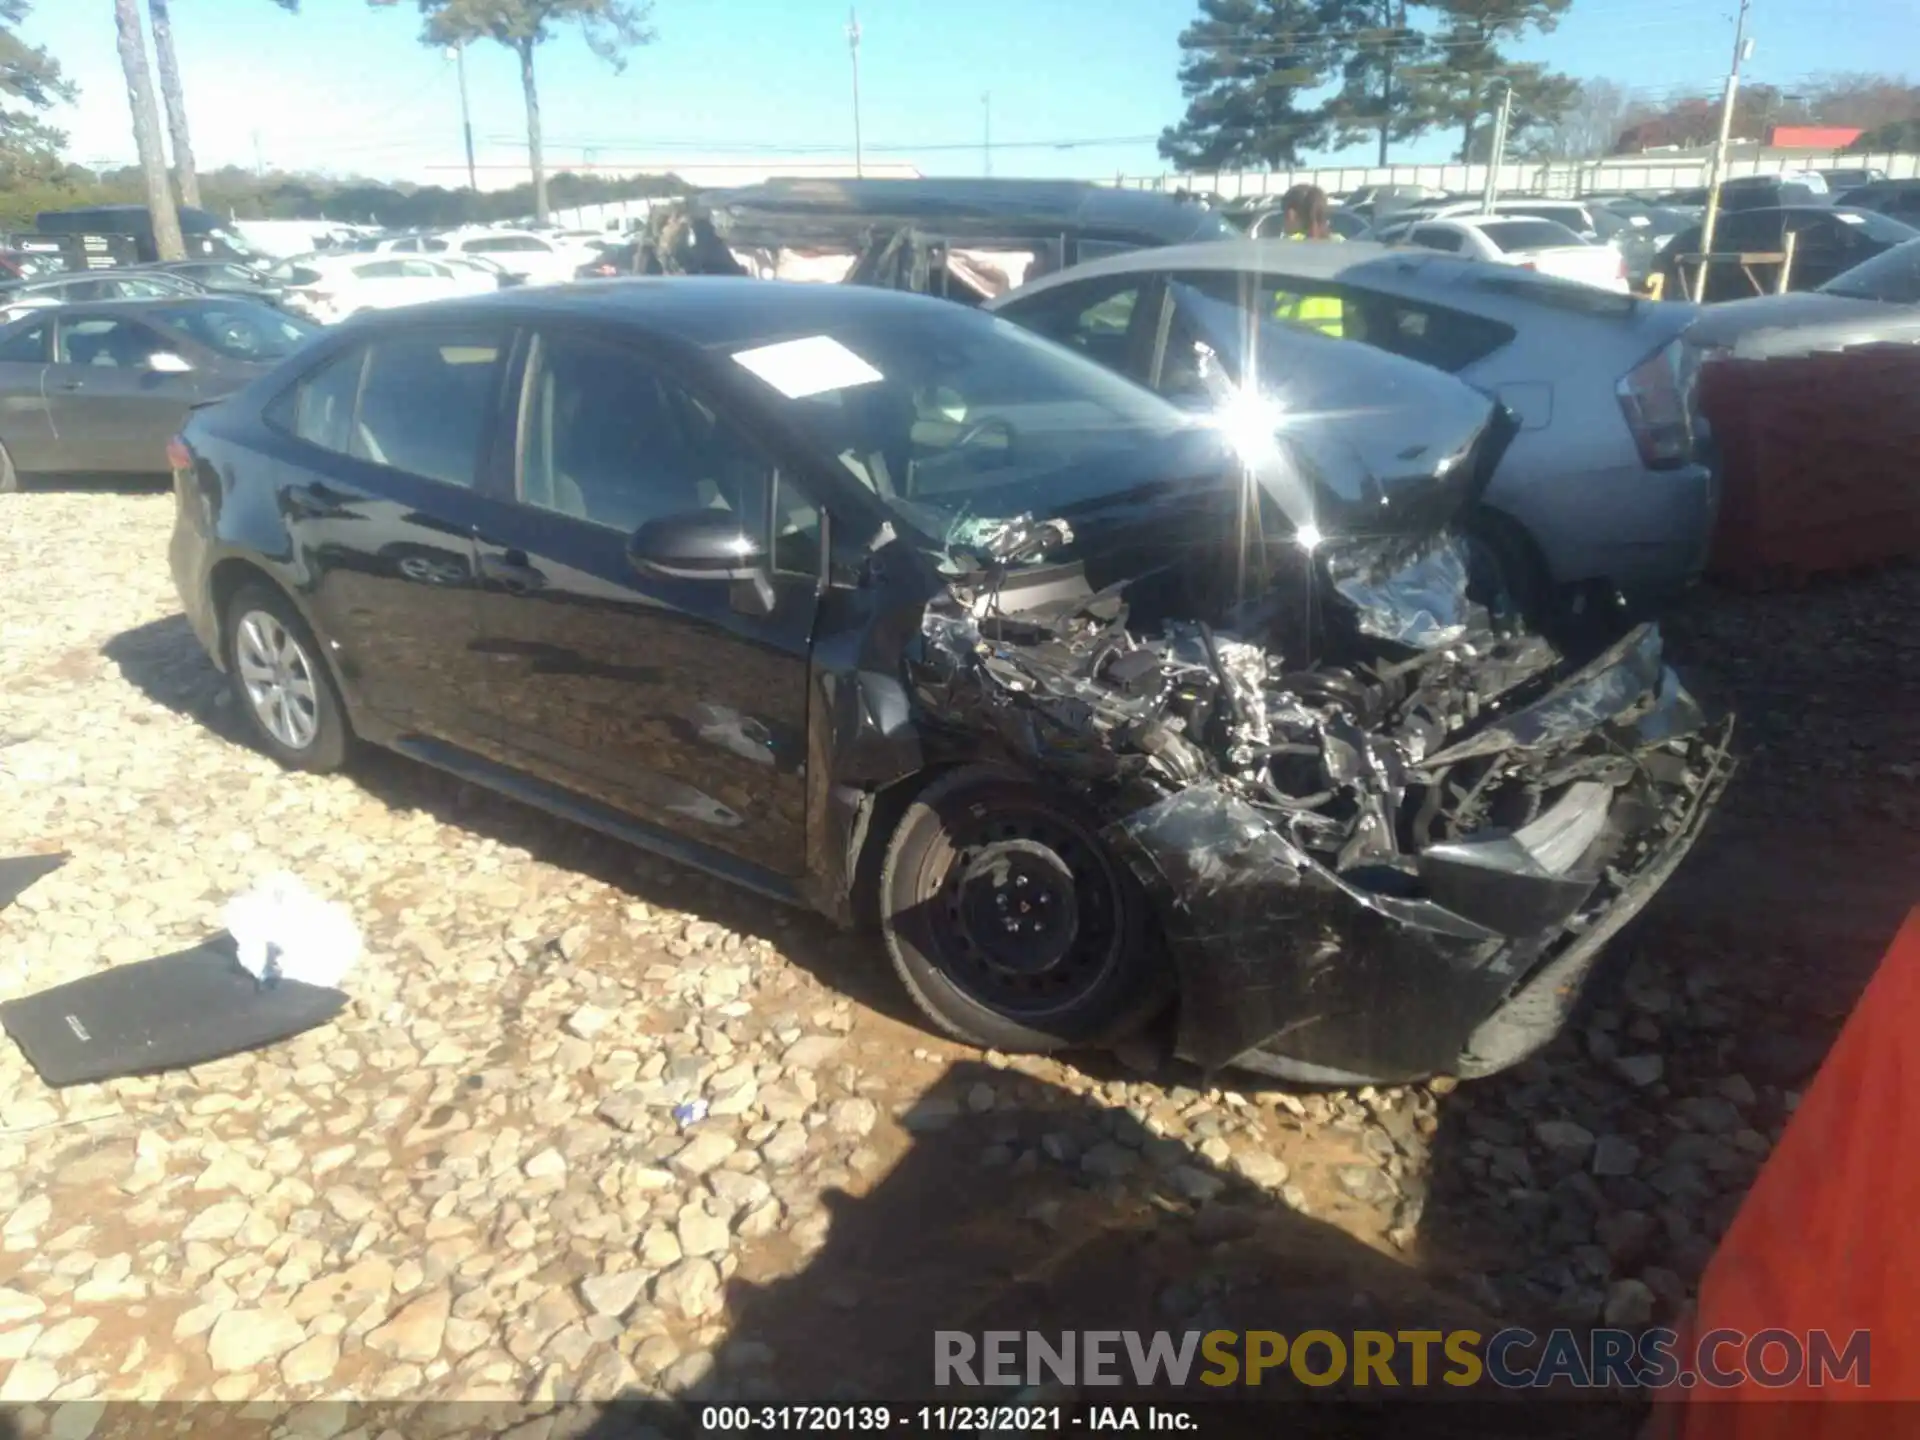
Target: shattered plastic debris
pixel 283 930
pixel 1421 603
pixel 689 1113
pixel 1005 541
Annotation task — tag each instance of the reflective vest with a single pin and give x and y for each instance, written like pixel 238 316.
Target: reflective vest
pixel 1325 313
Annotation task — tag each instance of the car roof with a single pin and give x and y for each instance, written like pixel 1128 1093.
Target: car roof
pixel 708 311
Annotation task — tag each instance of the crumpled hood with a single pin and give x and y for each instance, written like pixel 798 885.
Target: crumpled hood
pixel 1372 443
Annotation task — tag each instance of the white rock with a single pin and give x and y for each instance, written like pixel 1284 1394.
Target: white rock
pixel 690 1290
pixel 245 1339
pixel 613 1294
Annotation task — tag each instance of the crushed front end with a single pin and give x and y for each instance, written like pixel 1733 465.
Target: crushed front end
pixel 1386 844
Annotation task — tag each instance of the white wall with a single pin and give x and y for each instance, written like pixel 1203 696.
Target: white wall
pixel 1561 178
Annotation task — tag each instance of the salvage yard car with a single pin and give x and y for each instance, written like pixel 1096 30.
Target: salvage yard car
pixel 872 602
pixel 1603 492
pixel 101 389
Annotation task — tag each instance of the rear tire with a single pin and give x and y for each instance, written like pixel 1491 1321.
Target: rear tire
pixel 1505 571
pixel 1010 923
pixel 281 682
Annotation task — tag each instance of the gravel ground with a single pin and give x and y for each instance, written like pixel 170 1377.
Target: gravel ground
pixel 474 1185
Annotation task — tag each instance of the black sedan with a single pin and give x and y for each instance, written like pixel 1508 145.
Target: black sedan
pixel 1828 240
pixel 861 598
pixel 101 389
pixel 220 277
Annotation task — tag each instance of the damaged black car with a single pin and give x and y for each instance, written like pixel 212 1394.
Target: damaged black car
pixel 881 605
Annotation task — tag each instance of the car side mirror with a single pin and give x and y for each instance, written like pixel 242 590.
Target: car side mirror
pixel 165 362
pixel 705 545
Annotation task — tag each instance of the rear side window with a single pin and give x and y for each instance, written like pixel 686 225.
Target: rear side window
pixel 504 244
pixel 1511 235
pixel 1434 237
pixel 426 401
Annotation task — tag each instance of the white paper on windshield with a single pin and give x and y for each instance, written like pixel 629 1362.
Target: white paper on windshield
pixel 813 366
pixel 1849 219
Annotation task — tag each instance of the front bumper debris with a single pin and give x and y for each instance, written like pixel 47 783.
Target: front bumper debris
pixel 1399 866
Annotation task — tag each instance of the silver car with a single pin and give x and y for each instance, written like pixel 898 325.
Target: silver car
pixel 1603 490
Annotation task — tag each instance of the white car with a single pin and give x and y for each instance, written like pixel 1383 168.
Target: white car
pixel 1543 245
pixel 536 259
pixel 332 287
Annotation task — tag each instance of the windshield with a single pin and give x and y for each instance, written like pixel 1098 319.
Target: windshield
pixel 1511 235
pixel 1892 276
pixel 237 331
pixel 951 415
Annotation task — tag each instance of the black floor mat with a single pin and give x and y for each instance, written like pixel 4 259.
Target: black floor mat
pixel 162 1014
pixel 19 871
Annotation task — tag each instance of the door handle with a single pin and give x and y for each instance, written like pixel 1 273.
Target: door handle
pixel 512 572
pixel 71 385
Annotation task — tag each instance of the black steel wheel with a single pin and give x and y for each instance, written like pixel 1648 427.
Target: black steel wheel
pixel 1010 923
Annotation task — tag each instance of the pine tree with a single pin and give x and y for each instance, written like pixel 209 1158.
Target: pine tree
pixel 1247 63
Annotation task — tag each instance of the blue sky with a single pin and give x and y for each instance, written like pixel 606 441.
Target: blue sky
pixel 347 89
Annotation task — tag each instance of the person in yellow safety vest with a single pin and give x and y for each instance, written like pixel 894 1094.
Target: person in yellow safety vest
pixel 1303 216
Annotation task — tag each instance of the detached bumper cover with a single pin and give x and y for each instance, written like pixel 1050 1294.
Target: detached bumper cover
pixel 1292 968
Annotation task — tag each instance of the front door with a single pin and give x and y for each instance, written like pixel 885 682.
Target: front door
pixel 385 444
pixel 111 411
pixel 671 699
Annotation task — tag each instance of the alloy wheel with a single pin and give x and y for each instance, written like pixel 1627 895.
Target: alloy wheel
pixel 279 679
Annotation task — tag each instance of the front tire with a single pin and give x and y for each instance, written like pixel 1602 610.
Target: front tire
pixel 282 684
pixel 1010 923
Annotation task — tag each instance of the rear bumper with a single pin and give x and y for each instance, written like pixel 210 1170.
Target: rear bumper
pixel 1291 969
pixel 187 559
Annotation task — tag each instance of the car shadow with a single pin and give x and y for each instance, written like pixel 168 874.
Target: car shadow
pixel 105 483
pixel 164 661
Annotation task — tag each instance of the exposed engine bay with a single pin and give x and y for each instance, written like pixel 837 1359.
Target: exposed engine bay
pixel 1412 762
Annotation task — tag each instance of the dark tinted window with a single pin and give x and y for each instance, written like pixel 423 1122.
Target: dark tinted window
pixel 505 244
pixel 1749 230
pixel 320 408
pixel 1893 275
pixel 115 344
pixel 425 403
pixel 1436 237
pixel 1091 317
pixel 237 330
pixel 1511 235
pixel 28 346
pixel 381 270
pixel 606 439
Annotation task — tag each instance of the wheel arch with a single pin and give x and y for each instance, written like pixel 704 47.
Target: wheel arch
pixel 233 573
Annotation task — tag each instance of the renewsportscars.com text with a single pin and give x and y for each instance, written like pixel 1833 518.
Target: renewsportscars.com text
pixel 1410 1359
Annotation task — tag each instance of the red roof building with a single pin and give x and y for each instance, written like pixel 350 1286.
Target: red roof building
pixel 1812 137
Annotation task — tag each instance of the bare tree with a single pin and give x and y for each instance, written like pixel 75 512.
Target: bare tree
pixel 1588 129
pixel 146 131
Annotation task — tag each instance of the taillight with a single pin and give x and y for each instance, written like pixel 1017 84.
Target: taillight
pixel 1656 411
pixel 179 457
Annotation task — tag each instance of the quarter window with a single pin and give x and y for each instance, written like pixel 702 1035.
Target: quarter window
pixel 320 407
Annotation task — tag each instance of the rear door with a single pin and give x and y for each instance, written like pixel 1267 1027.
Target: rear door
pixel 386 444
pixel 25 428
pixel 681 701
pixel 112 412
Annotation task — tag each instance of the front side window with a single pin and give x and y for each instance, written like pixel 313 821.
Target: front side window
pixel 381 270
pixel 426 401
pixel 1433 237
pixel 115 344
pixel 607 440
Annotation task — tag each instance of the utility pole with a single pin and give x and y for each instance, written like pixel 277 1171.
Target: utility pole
pixel 1742 48
pixel 853 48
pixel 459 53
pixel 986 132
pixel 1501 119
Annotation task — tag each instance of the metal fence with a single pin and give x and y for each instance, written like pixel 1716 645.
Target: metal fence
pixel 1563 178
